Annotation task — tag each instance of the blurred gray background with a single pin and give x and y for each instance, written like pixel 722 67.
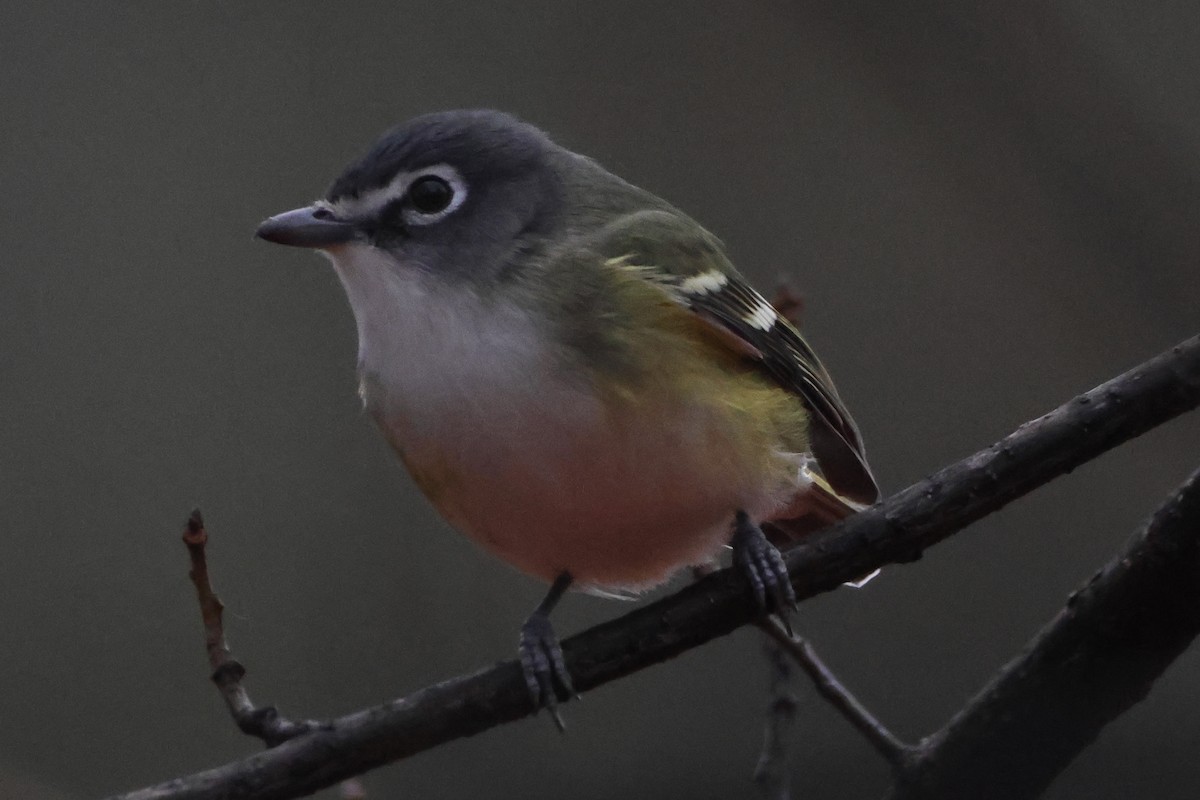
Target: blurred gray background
pixel 989 207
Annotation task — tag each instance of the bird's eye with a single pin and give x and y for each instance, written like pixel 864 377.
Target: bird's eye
pixel 413 200
pixel 430 194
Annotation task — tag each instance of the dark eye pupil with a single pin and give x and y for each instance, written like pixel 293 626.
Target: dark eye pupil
pixel 430 194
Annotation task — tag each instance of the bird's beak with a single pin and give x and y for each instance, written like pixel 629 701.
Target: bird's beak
pixel 306 227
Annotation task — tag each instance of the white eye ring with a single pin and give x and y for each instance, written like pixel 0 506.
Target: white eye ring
pixel 446 173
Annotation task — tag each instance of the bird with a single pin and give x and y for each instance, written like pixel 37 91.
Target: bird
pixel 572 370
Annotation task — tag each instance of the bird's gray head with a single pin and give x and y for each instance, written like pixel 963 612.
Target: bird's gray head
pixel 446 192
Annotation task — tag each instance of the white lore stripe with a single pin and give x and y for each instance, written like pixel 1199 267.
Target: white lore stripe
pixel 704 283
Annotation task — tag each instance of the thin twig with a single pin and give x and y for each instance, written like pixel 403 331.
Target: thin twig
pixel 788 302
pixel 772 775
pixel 263 722
pixel 838 696
pixel 1096 659
pixel 896 530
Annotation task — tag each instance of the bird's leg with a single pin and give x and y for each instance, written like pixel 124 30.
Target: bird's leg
pixel 541 655
pixel 763 566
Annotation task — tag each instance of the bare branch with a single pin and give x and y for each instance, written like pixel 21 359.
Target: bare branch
pixel 829 687
pixel 896 530
pixel 227 672
pixel 1099 657
pixel 772 774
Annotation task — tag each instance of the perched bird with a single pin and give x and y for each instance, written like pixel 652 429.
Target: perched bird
pixel 571 369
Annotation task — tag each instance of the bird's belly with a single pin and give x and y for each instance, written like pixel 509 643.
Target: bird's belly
pixel 618 500
pixel 517 450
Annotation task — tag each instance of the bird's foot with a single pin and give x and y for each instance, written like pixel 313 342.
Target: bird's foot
pixel 543 665
pixel 764 568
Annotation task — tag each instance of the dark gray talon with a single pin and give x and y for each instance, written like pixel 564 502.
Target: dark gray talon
pixel 541 656
pixel 764 568
pixel 543 665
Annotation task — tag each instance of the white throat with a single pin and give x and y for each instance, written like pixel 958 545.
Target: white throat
pixel 436 358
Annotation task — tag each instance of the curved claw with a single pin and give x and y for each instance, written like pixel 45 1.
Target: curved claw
pixel 543 665
pixel 764 568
